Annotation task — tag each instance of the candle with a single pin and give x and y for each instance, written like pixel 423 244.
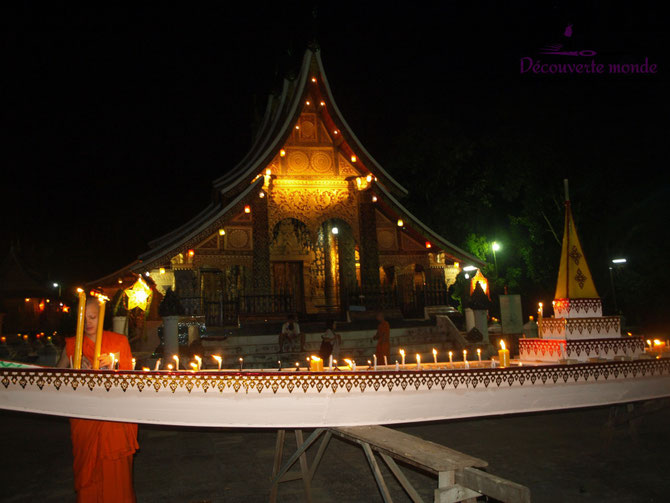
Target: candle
pixel 98 332
pixel 465 356
pixel 479 355
pixel 451 358
pixel 402 354
pixel 374 357
pixel 540 314
pixel 335 364
pixel 397 366
pixel 81 321
pixel 218 360
pixel 279 365
pixel 71 366
pixel 158 364
pixel 330 362
pixel 198 361
pixel 241 363
pixel 316 364
pixel 134 362
pixel 114 362
pixel 418 361
pixel 169 367
pixel 145 369
pixel 194 366
pixel 297 366
pixel 435 356
pixel 176 362
pixel 350 363
pixel 386 361
pixel 113 357
pixel 503 355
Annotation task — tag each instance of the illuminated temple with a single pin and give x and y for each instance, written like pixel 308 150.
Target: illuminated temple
pixel 307 222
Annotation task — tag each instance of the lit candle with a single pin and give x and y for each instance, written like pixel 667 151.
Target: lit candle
pixel 198 361
pixel 503 355
pixel 435 356
pixel 241 363
pixel 402 355
pixel 114 362
pixel 169 367
pixel 113 357
pixel 134 361
pixel 316 364
pixel 397 366
pixel 479 355
pixel 176 362
pixel 194 366
pixel 279 365
pixel 81 321
pixel 451 358
pixel 297 366
pixel 71 366
pixel 651 346
pixel 374 357
pixel 218 360
pixel 330 362
pixel 386 361
pixel 98 333
pixel 351 364
pixel 465 355
pixel 418 361
pixel 158 364
pixel 145 369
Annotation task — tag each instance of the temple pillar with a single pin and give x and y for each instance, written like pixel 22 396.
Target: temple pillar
pixel 369 251
pixel 347 260
pixel 261 246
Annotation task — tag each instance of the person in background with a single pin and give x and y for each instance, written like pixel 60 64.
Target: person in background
pixel 383 338
pixel 330 342
pixel 102 450
pixel 290 331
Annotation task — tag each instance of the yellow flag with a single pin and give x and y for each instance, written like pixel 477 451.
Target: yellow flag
pixel 574 277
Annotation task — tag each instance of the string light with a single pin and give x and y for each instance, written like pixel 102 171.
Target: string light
pixel 161 270
pixel 323 103
pixel 261 194
pixel 268 171
pixel 314 79
pixel 222 232
pixel 369 178
pixel 282 152
pixel 400 222
pixel 374 199
pixel 297 127
pixel 353 158
pixel 247 209
pixel 191 253
pixel 428 245
pixel 307 103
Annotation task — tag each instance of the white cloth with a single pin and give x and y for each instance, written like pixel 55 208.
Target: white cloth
pixel 287 331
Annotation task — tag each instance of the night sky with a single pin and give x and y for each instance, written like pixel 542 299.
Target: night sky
pixel 117 121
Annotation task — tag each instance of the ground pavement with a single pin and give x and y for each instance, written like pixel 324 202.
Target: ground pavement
pixel 561 456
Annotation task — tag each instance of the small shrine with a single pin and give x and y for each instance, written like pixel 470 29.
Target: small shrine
pixel 577 330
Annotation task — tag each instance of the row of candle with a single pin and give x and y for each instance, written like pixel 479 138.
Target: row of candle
pixel 316 364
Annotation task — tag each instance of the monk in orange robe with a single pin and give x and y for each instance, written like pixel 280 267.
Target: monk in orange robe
pixel 383 338
pixel 103 450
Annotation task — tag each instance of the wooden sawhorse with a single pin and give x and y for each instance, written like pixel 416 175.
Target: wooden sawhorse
pixel 459 478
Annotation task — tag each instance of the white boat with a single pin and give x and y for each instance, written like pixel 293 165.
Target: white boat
pixel 289 398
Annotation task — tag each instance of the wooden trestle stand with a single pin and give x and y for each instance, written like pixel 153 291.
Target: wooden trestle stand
pixel 459 477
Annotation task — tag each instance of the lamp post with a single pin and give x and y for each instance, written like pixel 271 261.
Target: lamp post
pixel 616 262
pixel 57 285
pixel 495 246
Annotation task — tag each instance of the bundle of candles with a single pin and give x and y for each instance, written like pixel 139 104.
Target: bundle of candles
pixel 79 334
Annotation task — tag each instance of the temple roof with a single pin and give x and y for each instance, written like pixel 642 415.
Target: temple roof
pixel 17 281
pixel 281 114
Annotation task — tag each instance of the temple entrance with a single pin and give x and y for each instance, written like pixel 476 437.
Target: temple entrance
pixel 288 281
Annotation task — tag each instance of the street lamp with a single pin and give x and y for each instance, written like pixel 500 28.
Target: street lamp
pixel 495 246
pixel 57 285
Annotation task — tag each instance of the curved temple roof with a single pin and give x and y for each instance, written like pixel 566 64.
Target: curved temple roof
pixel 277 124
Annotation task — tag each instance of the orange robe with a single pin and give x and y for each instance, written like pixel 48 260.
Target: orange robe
pixel 383 342
pixel 103 450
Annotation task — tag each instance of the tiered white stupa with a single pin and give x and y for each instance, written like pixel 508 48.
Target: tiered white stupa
pixel 578 330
